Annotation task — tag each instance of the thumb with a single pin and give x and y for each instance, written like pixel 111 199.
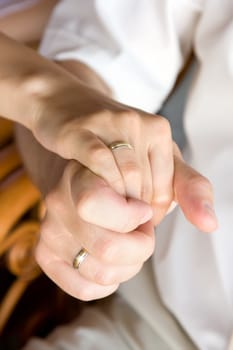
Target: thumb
pixel 194 193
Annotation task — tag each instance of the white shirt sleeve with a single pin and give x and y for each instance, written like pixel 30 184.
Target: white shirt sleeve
pixel 137 47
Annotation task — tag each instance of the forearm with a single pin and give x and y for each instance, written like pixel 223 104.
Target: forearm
pixel 44 167
pixel 35 18
pixel 28 81
pixel 25 79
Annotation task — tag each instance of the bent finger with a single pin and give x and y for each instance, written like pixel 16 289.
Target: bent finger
pixel 95 271
pixel 68 279
pixel 99 204
pixel 107 247
pixel 126 159
pixel 162 167
pixel 91 151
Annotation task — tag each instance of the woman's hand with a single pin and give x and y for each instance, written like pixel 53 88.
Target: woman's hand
pixel 81 123
pixel 83 211
pixel 78 122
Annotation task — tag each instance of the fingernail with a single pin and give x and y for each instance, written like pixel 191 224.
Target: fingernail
pixel 209 207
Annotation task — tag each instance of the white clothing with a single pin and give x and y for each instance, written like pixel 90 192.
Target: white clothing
pixel 115 325
pixel 139 47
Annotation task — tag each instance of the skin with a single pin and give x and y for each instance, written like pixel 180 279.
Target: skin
pixel 107 202
pixel 112 209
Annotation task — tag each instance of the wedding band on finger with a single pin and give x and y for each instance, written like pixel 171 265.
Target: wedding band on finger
pixel 119 144
pixel 79 258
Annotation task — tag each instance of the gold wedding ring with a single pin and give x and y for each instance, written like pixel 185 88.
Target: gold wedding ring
pixel 119 144
pixel 79 258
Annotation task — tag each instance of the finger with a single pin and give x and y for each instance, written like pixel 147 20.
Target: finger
pixel 147 184
pixel 67 278
pixel 87 196
pixel 122 249
pixel 84 146
pixel 108 247
pixel 99 204
pixel 136 173
pixel 130 169
pixel 194 194
pixel 107 275
pixel 162 168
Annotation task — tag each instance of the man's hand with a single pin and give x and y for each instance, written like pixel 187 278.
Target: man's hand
pixel 106 202
pixel 83 211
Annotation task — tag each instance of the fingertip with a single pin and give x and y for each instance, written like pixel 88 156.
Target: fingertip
pixel 202 215
pixel 209 221
pixel 145 210
pixel 194 194
pixel 104 207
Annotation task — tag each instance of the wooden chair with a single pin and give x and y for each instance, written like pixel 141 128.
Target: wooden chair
pixel 30 304
pixel 19 224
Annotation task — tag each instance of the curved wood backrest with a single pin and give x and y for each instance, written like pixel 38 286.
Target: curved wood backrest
pixel 19 228
pixel 6 131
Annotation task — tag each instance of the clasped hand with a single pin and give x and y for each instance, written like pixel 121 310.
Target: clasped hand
pixel 108 202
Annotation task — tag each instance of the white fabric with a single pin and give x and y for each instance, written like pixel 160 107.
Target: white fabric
pixel 138 47
pixel 122 41
pixel 8 7
pixel 115 325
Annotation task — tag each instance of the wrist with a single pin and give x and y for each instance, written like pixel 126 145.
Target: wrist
pixel 26 80
pixel 57 98
pixel 42 93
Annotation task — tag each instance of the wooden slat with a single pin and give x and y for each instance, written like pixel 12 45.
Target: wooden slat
pixel 9 160
pixel 6 131
pixel 16 197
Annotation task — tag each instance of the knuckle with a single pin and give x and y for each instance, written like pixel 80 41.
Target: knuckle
pixel 130 118
pixel 133 271
pixel 162 200
pixel 129 115
pixel 66 133
pixel 131 170
pixel 104 277
pixel 53 202
pixel 85 294
pixel 147 193
pixel 138 268
pixel 84 204
pixel 162 127
pixel 106 250
pixel 49 234
pixel 98 154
